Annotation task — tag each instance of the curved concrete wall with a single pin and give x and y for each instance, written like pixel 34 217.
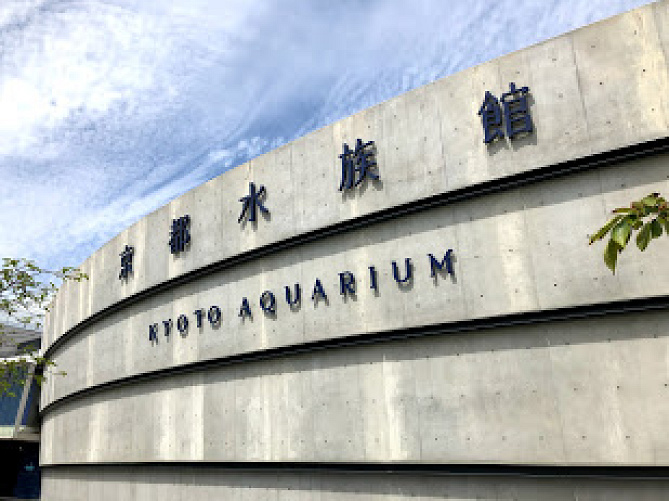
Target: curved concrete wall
pixel 522 250
pixel 592 90
pixel 580 391
pixel 191 483
pixel 515 358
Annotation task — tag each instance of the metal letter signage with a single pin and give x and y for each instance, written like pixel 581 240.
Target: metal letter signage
pixel 268 302
pixel 402 275
pixel 346 283
pixel 515 110
pixel 126 262
pixel 153 333
pixel 293 303
pixel 180 235
pixel 356 164
pixel 253 201
pixel 508 116
pixel 436 266
pixel 491 116
pixel 245 309
pixel 319 292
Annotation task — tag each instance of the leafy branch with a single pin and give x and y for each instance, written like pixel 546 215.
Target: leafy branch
pixel 648 217
pixel 26 292
pixel 15 371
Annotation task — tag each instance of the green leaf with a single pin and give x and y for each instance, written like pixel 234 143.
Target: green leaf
pixel 664 222
pixel 611 254
pixel 655 228
pixel 605 229
pixel 621 232
pixel 643 237
pixel 650 200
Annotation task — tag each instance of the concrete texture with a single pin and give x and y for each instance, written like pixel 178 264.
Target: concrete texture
pixel 428 140
pixel 171 484
pixel 578 392
pixel 521 250
pixel 572 392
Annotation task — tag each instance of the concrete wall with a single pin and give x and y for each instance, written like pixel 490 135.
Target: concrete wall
pixel 522 250
pixel 571 392
pixel 190 484
pixel 595 89
pixel 589 391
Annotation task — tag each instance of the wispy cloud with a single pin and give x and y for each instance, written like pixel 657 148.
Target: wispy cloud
pixel 109 109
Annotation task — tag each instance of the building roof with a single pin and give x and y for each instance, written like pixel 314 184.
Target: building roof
pixel 17 340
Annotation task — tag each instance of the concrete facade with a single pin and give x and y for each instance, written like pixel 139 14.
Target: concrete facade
pixel 521 356
pixel 186 483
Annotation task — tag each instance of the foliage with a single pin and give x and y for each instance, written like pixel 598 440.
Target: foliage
pixel 24 294
pixel 26 291
pixel 15 371
pixel 648 216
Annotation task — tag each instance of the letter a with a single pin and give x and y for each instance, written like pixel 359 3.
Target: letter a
pixel 319 291
pixel 245 309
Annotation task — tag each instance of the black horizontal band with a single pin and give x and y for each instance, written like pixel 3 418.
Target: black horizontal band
pixel 525 318
pixel 394 468
pixel 640 150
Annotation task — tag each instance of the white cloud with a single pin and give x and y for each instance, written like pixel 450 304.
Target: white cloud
pixel 109 109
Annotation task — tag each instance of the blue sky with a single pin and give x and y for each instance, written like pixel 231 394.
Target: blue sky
pixel 110 109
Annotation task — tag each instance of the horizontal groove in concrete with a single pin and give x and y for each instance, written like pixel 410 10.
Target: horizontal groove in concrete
pixel 526 318
pixel 454 469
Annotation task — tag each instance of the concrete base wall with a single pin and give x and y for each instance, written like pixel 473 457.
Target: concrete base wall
pixel 577 392
pixel 192 484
